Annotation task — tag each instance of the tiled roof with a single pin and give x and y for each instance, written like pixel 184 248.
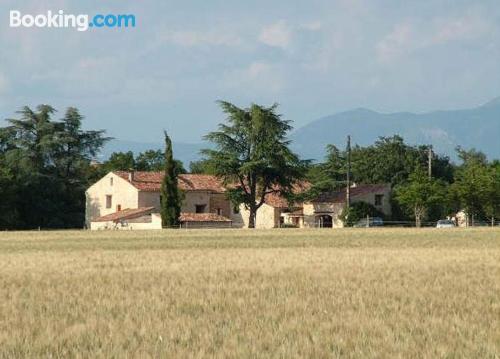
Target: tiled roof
pixel 151 181
pixel 276 200
pixel 125 214
pixel 203 217
pixel 359 190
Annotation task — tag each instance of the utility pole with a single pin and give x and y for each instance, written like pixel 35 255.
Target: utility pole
pixel 348 188
pixel 429 161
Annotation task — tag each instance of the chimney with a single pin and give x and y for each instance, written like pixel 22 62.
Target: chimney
pixel 131 175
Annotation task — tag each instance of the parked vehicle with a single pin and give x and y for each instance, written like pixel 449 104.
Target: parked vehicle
pixel 445 223
pixel 370 222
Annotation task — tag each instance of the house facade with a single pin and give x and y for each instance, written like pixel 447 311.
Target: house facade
pixel 131 200
pixel 322 212
pixel 123 199
pixel 325 210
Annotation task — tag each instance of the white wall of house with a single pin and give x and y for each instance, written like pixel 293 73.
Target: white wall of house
pixel 122 193
pixel 237 217
pixel 118 193
pixel 267 217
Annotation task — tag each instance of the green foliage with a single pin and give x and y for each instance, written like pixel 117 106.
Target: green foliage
pixel 357 211
pixel 388 160
pixel 330 175
pixel 119 161
pixel 45 169
pixel 477 185
pixel 203 166
pixel 170 195
pixel 419 193
pixel 492 194
pixel 252 151
pixel 150 160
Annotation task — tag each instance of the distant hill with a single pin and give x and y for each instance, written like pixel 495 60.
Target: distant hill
pixel 477 127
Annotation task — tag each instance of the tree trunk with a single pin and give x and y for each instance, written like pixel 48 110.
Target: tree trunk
pixel 418 217
pixel 251 217
pixel 493 221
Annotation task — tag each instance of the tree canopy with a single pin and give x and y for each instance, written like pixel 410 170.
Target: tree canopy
pixel 45 168
pixel 252 155
pixel 170 194
pixel 419 193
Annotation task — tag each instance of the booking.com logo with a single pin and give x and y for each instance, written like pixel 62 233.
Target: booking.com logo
pixel 79 22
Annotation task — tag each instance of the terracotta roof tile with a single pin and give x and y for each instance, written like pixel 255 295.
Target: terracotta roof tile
pixel 127 213
pixel 203 217
pixel 151 181
pixel 278 201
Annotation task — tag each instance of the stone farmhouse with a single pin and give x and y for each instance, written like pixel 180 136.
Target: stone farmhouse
pixel 131 200
pixel 323 211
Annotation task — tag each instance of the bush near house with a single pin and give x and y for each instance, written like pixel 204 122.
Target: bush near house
pixel 357 211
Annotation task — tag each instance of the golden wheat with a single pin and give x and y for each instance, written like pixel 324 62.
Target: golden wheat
pixel 237 293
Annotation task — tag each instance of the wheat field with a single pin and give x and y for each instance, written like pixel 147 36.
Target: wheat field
pixel 353 293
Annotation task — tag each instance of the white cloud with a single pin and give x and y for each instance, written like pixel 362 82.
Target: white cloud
pixel 312 26
pixel 195 38
pixel 409 37
pixel 399 41
pixel 259 76
pixel 278 34
pixel 462 28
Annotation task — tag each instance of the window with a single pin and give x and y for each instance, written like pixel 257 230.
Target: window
pixel 118 207
pixel 111 181
pixel 200 208
pixel 109 201
pixel 378 199
pixel 219 211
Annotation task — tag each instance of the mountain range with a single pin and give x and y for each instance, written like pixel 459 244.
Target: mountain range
pixel 477 127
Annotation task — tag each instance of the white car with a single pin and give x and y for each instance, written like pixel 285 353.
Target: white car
pixel 445 223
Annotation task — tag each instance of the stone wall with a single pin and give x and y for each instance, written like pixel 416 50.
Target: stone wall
pixel 267 217
pixel 220 201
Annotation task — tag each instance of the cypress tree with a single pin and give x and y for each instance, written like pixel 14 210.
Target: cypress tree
pixel 170 196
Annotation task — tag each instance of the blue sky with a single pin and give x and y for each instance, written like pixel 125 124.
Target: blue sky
pixel 315 58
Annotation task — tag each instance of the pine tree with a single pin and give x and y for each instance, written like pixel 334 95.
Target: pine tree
pixel 170 195
pixel 252 151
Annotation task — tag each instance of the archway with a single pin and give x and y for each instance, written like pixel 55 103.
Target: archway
pixel 324 221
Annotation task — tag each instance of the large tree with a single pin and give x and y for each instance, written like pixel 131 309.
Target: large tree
pixel 46 163
pixel 473 185
pixel 252 155
pixel 492 193
pixel 329 175
pixel 419 193
pixel 170 194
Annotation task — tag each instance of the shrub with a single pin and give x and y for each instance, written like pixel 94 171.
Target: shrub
pixel 358 211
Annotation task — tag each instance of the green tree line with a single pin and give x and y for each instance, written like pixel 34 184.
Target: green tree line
pixel 46 164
